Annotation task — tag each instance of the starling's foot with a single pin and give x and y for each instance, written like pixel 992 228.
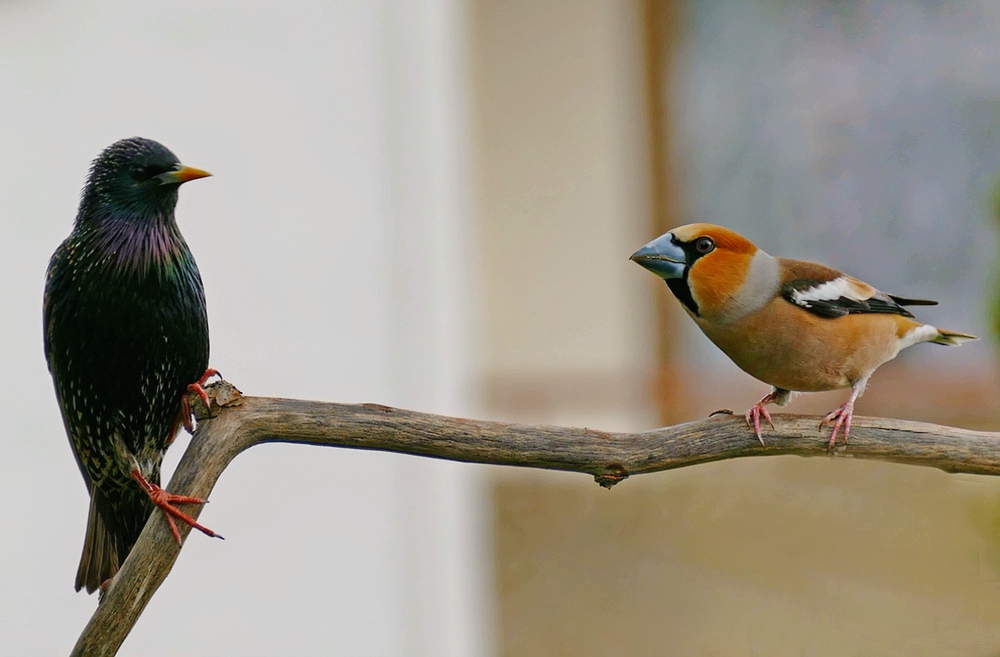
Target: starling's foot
pixel 165 501
pixel 196 388
pixel 841 418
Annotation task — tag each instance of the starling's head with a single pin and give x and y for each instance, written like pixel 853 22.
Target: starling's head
pixel 134 179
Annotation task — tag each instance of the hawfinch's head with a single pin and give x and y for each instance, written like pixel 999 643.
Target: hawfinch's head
pixel 707 267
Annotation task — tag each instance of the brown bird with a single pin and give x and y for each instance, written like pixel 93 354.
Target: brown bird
pixel 796 325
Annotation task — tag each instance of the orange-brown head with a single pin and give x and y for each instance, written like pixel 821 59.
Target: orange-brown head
pixel 713 271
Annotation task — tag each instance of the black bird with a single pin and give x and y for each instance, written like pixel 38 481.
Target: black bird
pixel 126 338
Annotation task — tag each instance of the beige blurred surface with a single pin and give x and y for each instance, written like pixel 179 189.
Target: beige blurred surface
pixel 776 556
pixel 562 193
pixel 770 556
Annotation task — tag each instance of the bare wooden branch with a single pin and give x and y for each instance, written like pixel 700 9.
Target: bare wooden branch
pixel 608 457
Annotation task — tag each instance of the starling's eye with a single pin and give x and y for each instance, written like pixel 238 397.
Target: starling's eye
pixel 704 245
pixel 141 173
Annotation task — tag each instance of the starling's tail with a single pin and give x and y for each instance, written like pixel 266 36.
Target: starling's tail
pixel 117 516
pixel 101 559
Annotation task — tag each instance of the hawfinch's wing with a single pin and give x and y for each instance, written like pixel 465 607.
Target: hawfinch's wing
pixel 829 293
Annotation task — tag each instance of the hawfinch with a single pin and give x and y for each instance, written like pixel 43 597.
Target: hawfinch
pixel 798 326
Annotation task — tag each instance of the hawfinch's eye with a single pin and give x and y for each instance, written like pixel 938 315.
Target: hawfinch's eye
pixel 704 245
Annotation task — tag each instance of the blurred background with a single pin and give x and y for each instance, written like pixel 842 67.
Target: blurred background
pixel 430 204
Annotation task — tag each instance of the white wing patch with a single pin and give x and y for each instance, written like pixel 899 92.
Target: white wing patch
pixel 842 287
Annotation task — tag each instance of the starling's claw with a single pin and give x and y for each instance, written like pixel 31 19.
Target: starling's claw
pixel 165 501
pixel 209 373
pixel 186 414
pixel 197 388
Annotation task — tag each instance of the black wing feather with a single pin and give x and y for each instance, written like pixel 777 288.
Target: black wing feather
pixel 879 304
pixel 903 301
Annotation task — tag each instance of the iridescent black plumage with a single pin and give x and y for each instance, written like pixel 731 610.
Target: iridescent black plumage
pixel 126 332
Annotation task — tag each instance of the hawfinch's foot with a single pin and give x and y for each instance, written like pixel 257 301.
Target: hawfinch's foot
pixel 753 419
pixel 759 410
pixel 841 419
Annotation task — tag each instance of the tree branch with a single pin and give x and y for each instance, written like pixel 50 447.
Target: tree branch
pixel 608 457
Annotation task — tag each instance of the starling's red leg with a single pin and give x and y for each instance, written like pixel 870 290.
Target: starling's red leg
pixel 196 388
pixel 165 501
pixel 178 421
pixel 186 412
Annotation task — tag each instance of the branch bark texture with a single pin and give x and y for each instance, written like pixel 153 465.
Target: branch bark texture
pixel 242 422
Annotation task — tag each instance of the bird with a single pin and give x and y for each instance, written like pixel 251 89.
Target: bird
pixel 126 339
pixel 796 325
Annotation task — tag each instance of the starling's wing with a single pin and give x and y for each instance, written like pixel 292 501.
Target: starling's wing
pixel 58 311
pixel 150 343
pixel 194 324
pixel 55 289
pixel 829 293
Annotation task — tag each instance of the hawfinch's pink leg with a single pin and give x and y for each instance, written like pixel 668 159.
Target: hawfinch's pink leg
pixel 777 396
pixel 841 417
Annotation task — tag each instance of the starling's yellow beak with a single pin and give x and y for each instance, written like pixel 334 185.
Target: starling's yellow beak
pixel 181 175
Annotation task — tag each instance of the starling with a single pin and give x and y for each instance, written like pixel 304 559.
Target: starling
pixel 126 338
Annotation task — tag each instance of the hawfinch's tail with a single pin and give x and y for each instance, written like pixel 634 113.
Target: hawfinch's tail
pixel 951 337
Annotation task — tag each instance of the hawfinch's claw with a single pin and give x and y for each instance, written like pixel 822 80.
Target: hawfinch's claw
pixel 753 416
pixel 841 419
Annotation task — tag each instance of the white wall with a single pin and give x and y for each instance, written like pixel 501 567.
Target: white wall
pixel 331 241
